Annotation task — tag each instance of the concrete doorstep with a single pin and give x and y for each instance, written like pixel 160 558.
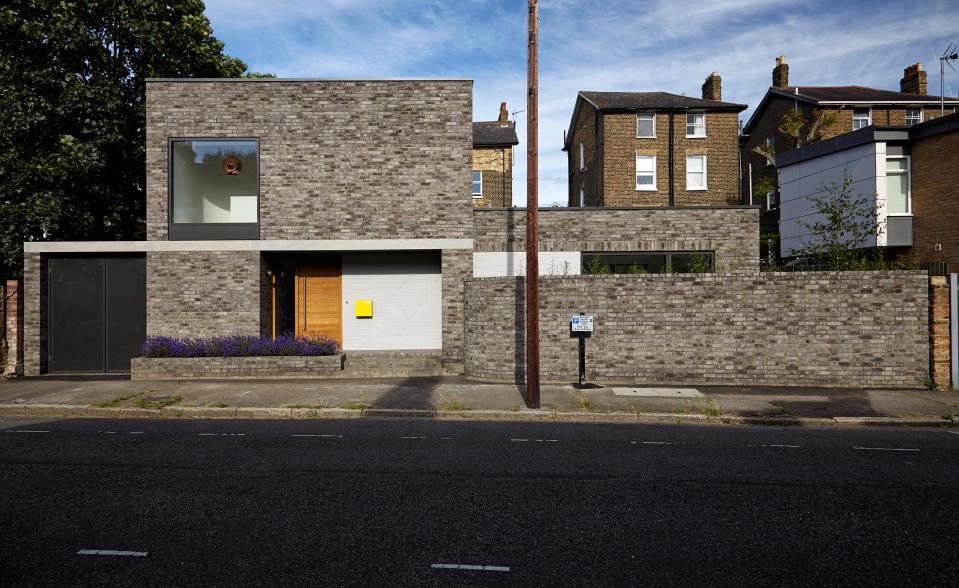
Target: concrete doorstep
pixel 204 412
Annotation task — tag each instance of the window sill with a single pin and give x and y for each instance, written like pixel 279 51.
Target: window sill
pixel 695 136
pixel 651 189
pixel 898 214
pixel 213 231
pixel 645 136
pixel 688 189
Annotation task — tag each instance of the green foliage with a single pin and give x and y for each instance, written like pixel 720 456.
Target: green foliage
pixel 636 269
pixel 596 266
pixel 769 245
pixel 805 130
pixel 668 268
pixel 72 116
pixel 845 222
pixel 763 186
pixel 699 263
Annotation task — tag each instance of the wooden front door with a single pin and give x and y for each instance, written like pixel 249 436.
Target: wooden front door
pixel 319 298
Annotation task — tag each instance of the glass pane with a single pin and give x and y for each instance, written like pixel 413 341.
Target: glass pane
pixel 644 179
pixel 215 181
pixel 645 128
pixel 477 176
pixel 694 180
pixel 896 164
pixel 694 164
pixel 897 194
pixel 644 164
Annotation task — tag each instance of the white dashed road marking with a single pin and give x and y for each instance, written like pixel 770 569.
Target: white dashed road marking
pixel 469 567
pixel 112 552
pixel 535 440
pixel 222 434
pixel 412 437
pixel 327 436
pixel 26 431
pixel 885 449
pixel 652 442
pixel 781 446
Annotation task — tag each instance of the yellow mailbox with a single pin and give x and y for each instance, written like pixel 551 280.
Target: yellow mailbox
pixel 364 309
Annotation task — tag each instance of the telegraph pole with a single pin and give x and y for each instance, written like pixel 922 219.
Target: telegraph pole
pixel 532 210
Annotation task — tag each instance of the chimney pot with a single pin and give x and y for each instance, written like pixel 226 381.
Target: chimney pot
pixel 503 114
pixel 913 80
pixel 781 73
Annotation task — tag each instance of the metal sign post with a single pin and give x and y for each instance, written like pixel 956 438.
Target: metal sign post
pixel 582 325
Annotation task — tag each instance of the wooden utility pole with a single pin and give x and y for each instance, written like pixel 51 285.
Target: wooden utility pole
pixel 532 211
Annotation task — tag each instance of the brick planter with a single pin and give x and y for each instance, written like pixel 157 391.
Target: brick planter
pixel 221 368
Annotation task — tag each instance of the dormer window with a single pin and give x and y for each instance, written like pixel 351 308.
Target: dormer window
pixel 913 116
pixel 861 118
pixel 695 124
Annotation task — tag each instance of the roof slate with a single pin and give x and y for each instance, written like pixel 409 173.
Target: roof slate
pixel 654 100
pixel 854 94
pixel 493 133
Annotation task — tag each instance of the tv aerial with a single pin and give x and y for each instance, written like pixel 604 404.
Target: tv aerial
pixel 948 56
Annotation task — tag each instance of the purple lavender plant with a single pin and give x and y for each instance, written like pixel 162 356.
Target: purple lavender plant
pixel 239 345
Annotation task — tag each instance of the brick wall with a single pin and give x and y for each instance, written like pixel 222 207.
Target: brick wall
pixel 496 163
pixel 338 159
pixel 621 146
pixel 802 329
pixel 939 357
pixel 730 232
pixel 203 293
pixel 457 266
pixel 35 329
pixel 11 317
pixel 935 198
pixel 588 179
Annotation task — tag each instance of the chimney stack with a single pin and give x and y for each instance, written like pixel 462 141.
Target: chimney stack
pixel 503 114
pixel 781 73
pixel 713 87
pixel 913 80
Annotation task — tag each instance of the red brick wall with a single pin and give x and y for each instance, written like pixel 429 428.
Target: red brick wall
pixel 935 199
pixel 11 316
pixel 939 364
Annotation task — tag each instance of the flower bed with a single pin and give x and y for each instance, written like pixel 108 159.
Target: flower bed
pixel 238 345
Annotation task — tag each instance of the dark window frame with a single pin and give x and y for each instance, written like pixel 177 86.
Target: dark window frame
pixel 586 256
pixel 210 231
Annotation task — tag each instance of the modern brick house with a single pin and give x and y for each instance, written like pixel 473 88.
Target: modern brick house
pixel 493 143
pixel 910 173
pixel 293 205
pixel 654 149
pixel 854 107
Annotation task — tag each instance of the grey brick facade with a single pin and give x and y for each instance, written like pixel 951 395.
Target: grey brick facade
pixel 731 232
pixel 203 293
pixel 338 159
pixel 801 329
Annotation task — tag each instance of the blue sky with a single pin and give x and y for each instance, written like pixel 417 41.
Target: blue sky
pixel 590 45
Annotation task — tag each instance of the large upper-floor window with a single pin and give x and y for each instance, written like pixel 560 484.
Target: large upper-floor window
pixel 861 118
pixel 695 172
pixel 214 181
pixel 645 172
pixel 477 183
pixel 646 125
pixel 897 186
pixel 695 124
pixel 913 116
pixel 648 262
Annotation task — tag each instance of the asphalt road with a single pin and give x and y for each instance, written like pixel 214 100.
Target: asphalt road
pixel 385 502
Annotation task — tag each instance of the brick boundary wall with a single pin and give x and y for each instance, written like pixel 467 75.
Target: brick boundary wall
pixel 349 364
pixel 739 328
pixel 11 316
pixel 939 357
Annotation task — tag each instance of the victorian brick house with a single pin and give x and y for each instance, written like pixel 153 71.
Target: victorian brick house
pixel 654 149
pixel 851 107
pixel 493 143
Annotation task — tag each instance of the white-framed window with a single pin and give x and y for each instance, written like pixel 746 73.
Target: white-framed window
pixel 913 116
pixel 695 124
pixel 645 125
pixel 646 172
pixel 770 148
pixel 582 157
pixel 898 185
pixel 695 172
pixel 771 203
pixel 477 183
pixel 861 118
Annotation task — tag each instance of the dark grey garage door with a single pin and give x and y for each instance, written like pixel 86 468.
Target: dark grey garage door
pixel 97 313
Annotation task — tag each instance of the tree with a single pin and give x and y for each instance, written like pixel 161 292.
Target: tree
pixel 845 223
pixel 72 111
pixel 794 125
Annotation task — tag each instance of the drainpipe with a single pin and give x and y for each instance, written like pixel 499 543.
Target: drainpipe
pixel 672 195
pixel 750 184
pixel 954 329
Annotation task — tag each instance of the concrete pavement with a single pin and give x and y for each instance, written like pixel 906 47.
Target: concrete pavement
pixel 449 396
